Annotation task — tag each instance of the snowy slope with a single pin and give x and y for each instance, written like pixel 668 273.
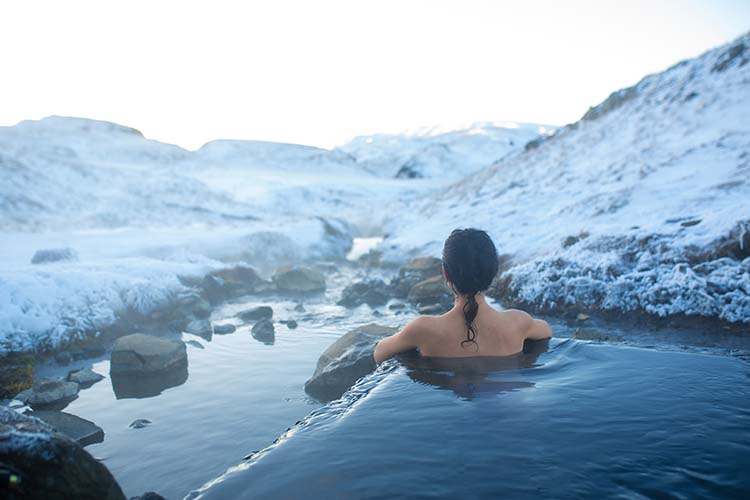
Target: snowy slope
pixel 442 154
pixel 644 204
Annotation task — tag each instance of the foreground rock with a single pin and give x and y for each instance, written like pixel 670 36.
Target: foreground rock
pixel 80 430
pixel 346 361
pixel 50 393
pixel 50 465
pixel 256 313
pixel 264 331
pixel 415 271
pixel 85 377
pixel 299 280
pixel 139 353
pixel 373 292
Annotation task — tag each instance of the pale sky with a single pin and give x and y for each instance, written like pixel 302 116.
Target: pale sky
pixel 321 72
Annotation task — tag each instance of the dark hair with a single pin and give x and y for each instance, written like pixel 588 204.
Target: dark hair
pixel 470 263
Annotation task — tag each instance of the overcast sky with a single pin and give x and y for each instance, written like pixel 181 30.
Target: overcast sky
pixel 321 72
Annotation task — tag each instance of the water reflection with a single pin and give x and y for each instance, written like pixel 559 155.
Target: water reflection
pixel 470 377
pixel 147 385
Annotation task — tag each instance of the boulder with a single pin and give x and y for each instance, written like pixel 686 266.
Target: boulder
pixel 224 329
pixel 195 344
pixel 85 377
pixel 140 423
pixel 264 331
pixel 201 328
pixel 16 373
pixel 80 430
pixel 256 313
pixel 232 282
pixel 50 393
pixel 415 271
pixel 139 353
pixel 48 465
pixel 431 291
pixel 54 255
pixel 291 324
pixel 299 280
pixel 373 292
pixel 346 361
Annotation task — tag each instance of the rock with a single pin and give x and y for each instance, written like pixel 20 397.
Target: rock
pixel 232 282
pixel 149 495
pixel 201 309
pixel 83 431
pixel 299 307
pixel 139 353
pixel 50 393
pixel 16 374
pixel 291 324
pixel 346 361
pixel 88 351
pixel 256 313
pixel 85 377
pixel 431 291
pixel 589 334
pixel 148 384
pixel 224 329
pixel 63 358
pixel 54 255
pixel 195 344
pixel 201 328
pixel 582 317
pixel 299 280
pixel 264 331
pixel 415 271
pixel 49 465
pixel 139 423
pixel 397 305
pixel 373 292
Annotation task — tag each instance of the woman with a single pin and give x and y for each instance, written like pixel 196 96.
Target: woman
pixel 472 327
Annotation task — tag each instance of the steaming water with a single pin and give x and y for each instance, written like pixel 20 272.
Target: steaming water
pixel 581 420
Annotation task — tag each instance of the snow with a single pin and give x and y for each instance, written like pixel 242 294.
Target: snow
pixel 649 192
pixel 656 176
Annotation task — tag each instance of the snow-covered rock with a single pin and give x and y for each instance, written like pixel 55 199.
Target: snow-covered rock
pixel 652 186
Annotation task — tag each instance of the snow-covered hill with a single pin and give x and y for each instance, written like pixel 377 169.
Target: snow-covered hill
pixel 442 154
pixel 643 204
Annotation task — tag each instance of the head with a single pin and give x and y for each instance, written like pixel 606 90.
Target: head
pixel 469 265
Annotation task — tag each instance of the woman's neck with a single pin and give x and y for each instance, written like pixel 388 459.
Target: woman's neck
pixel 461 300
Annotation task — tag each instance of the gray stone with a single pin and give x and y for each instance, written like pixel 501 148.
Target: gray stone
pixel 415 271
pixel 264 331
pixel 231 282
pixel 195 344
pixel 50 393
pixel 85 377
pixel 54 255
pixel 373 292
pixel 291 324
pixel 299 307
pixel 139 353
pixel 431 291
pixel 256 313
pixel 49 464
pixel 200 327
pixel 299 280
pixel 346 361
pixel 139 423
pixel 224 329
pixel 63 358
pixel 83 431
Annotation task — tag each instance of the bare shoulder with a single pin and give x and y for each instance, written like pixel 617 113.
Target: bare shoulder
pixel 520 319
pixel 418 326
pixel 527 326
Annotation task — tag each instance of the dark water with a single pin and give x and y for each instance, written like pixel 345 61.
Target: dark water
pixel 583 420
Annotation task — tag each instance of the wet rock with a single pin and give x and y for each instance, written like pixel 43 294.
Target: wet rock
pixel 85 377
pixel 139 353
pixel 431 291
pixel 589 334
pixel 373 292
pixel 80 430
pixel 139 423
pixel 291 324
pixel 201 309
pixel 264 331
pixel 201 328
pixel 299 308
pixel 49 255
pixel 50 394
pixel 195 344
pixel 224 329
pixel 63 358
pixel 396 306
pixel 127 385
pixel 415 271
pixel 49 465
pixel 299 280
pixel 232 282
pixel 346 361
pixel 256 313
pixel 16 374
pixel 149 495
